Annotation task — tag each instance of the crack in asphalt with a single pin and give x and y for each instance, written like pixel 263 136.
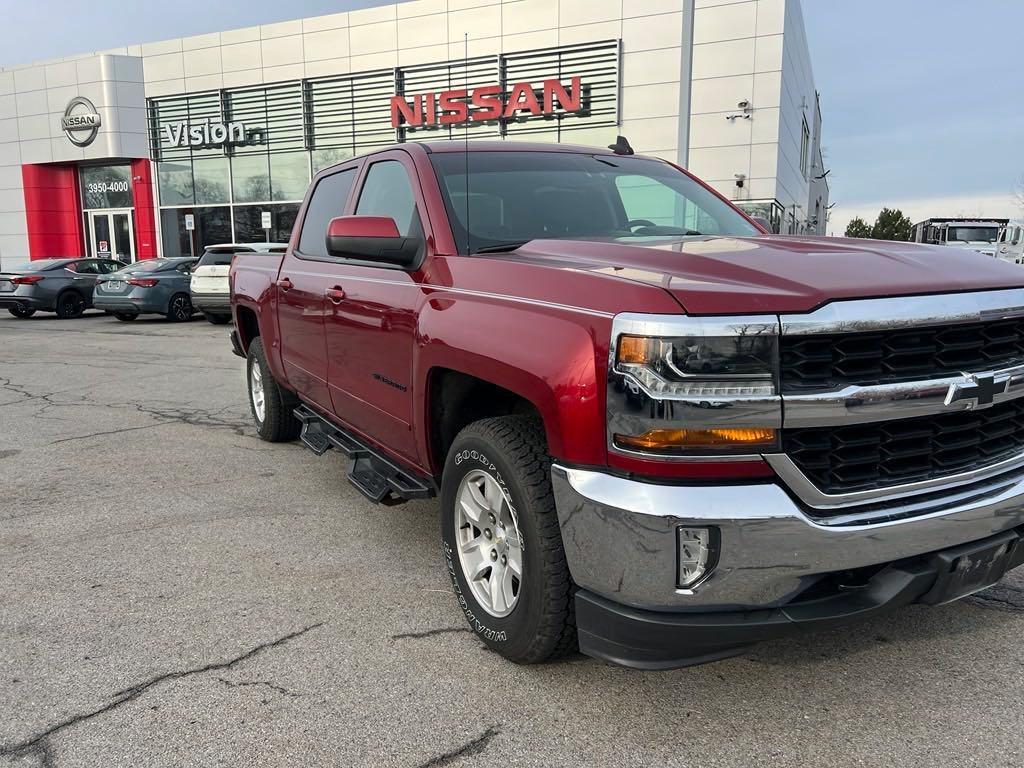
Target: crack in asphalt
pixel 474 747
pixel 264 683
pixel 165 413
pixel 429 633
pixel 1003 597
pixel 109 432
pixel 194 416
pixel 38 745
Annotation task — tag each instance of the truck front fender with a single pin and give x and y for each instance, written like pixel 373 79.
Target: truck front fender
pixel 553 357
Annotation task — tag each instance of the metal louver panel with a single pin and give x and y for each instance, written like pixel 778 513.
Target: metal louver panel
pixel 351 113
pixel 273 111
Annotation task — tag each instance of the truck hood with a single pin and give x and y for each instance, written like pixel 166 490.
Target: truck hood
pixel 750 275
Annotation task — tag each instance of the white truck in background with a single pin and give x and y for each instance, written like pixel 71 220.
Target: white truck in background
pixel 976 234
pixel 1010 243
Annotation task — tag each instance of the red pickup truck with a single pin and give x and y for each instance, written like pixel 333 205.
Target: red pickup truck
pixel 658 433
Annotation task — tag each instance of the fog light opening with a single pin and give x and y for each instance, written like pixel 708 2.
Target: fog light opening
pixel 696 554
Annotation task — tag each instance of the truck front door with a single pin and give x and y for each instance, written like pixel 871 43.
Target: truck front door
pixel 370 316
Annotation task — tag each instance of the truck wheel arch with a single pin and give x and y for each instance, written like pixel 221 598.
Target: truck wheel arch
pixel 248 326
pixel 456 399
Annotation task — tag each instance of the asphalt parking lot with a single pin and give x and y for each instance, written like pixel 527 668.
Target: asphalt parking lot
pixel 177 593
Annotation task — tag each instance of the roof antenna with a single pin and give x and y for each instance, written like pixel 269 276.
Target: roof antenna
pixel 621 146
pixel 465 57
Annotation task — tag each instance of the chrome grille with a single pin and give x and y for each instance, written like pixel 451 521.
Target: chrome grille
pixel 831 361
pixel 860 457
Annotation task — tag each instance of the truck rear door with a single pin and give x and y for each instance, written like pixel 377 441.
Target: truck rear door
pixel 300 289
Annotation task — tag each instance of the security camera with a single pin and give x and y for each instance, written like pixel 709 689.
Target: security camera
pixel 740 178
pixel 743 104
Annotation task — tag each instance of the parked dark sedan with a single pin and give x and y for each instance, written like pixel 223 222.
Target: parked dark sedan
pixel 151 286
pixel 63 286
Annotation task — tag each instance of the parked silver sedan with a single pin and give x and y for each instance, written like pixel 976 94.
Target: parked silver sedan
pixel 63 286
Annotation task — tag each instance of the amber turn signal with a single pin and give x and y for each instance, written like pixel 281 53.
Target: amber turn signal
pixel 634 350
pixel 661 439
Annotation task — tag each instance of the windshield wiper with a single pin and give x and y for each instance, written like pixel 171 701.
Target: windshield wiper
pixel 501 247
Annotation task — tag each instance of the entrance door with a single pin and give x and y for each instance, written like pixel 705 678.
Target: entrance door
pixel 112 235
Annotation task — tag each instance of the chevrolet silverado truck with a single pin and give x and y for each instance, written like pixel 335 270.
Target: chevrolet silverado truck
pixel 658 433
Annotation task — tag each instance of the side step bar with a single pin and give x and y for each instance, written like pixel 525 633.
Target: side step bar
pixel 374 475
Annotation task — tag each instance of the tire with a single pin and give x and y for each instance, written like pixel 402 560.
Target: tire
pixel 179 308
pixel 217 319
pixel 275 420
pixel 126 317
pixel 22 311
pixel 70 305
pixel 539 623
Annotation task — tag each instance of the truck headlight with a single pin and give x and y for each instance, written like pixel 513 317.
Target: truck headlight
pixel 682 385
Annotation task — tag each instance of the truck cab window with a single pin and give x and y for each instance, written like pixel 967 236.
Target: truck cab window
pixel 388 192
pixel 328 201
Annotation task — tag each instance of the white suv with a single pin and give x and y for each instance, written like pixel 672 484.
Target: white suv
pixel 209 286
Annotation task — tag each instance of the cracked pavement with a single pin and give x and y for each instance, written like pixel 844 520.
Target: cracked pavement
pixel 177 593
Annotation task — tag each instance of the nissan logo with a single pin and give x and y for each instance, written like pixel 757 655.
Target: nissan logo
pixel 81 122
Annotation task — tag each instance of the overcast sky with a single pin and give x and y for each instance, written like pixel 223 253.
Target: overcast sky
pixel 922 100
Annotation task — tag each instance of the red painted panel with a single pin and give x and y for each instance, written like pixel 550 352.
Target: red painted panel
pixel 145 213
pixel 52 210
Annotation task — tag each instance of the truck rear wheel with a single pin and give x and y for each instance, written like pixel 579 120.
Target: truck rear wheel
pixel 272 405
pixel 502 542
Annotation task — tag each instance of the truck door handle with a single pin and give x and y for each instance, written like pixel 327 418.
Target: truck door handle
pixel 335 294
pixel 284 284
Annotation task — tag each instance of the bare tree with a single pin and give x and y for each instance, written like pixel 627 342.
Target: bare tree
pixel 1018 193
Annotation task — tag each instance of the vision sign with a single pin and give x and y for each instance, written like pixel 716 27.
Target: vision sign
pixel 209 134
pixel 462 105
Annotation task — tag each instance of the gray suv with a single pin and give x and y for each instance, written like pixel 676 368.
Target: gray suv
pixel 63 286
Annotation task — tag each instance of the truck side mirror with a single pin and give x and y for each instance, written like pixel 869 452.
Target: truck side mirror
pixel 371 238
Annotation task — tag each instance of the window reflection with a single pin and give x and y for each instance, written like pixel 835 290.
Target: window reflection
pixel 250 178
pixel 289 175
pixel 211 180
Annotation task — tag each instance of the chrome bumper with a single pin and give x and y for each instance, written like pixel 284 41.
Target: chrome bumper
pixel 620 538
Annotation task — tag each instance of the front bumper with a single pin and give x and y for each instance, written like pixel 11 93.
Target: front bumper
pixel 212 302
pixel 621 546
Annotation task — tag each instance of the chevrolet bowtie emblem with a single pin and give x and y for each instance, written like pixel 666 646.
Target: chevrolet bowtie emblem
pixel 982 388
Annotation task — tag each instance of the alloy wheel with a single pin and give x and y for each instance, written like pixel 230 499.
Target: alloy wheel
pixel 489 543
pixel 181 308
pixel 259 400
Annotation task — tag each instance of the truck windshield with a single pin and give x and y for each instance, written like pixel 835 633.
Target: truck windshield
pixel 972 234
pixel 513 197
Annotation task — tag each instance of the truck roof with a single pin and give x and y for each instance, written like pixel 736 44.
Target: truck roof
pixel 507 146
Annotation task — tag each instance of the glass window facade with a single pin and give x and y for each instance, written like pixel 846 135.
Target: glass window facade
pixel 228 155
pixel 106 186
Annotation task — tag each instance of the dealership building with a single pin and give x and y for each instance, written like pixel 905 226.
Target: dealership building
pixel 157 149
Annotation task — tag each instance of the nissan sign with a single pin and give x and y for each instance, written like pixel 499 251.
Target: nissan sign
pixel 81 122
pixel 487 102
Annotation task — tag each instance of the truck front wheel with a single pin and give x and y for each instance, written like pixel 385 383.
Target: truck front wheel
pixel 272 405
pixel 502 542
